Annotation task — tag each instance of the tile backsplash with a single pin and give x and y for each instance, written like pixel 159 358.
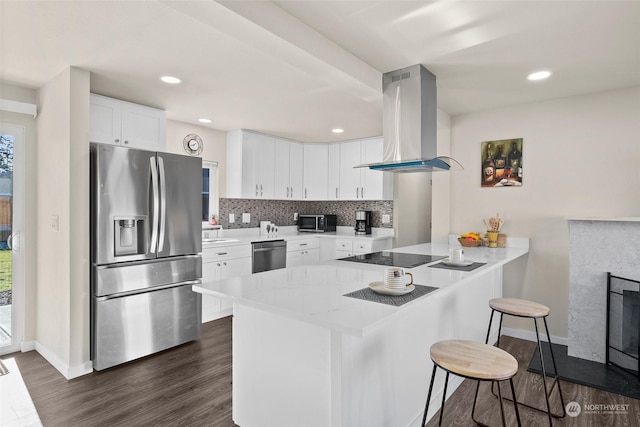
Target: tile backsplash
pixel 281 212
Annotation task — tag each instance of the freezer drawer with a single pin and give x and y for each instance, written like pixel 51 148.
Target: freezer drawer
pixel 129 327
pixel 139 275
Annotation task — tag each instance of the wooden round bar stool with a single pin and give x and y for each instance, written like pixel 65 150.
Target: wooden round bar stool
pixel 535 311
pixel 476 361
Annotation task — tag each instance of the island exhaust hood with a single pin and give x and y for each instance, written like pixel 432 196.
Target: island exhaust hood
pixel 409 123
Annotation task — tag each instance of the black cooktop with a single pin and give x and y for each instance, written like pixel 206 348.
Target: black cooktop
pixel 394 259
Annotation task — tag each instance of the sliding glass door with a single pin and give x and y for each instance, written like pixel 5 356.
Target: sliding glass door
pixel 11 236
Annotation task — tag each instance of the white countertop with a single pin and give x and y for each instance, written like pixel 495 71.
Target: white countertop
pixel 314 294
pixel 247 236
pixel 610 219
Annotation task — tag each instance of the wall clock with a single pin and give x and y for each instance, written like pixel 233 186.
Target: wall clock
pixel 192 144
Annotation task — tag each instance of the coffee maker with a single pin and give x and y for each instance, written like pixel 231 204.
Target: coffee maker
pixel 363 222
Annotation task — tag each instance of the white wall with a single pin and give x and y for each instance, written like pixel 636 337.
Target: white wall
pixel 580 158
pixel 215 146
pixel 16 93
pixel 62 332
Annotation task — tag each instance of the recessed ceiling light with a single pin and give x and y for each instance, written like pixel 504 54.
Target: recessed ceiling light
pixel 204 120
pixel 539 75
pixel 171 80
pixel 337 130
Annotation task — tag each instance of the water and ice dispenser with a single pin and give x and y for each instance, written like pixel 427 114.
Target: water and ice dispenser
pixel 129 236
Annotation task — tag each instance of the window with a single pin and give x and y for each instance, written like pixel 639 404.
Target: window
pixel 209 190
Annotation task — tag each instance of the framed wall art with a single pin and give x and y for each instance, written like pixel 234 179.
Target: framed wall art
pixel 501 163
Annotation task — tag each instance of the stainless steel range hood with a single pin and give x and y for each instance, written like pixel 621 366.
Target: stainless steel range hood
pixel 409 123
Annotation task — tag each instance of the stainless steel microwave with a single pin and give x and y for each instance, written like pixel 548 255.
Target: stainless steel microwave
pixel 317 223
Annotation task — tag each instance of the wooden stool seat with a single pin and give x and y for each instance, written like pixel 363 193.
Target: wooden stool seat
pixel 519 307
pixel 474 360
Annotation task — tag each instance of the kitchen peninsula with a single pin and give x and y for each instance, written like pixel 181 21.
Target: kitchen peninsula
pixel 306 354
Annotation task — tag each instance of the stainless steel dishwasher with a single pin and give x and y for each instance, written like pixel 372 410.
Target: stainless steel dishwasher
pixel 269 255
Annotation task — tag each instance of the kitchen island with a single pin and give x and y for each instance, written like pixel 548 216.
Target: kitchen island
pixel 306 354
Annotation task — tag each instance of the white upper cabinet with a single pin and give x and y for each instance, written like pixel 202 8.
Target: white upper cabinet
pixel 288 170
pixel 267 167
pixel 315 170
pixel 333 180
pixel 250 165
pixel 350 187
pixel 117 122
pixel 362 183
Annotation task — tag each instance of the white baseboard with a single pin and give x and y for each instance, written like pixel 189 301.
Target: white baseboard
pixel 69 372
pixel 27 346
pixel 531 336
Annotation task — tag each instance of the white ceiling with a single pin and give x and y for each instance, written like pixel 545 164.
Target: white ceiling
pixel 299 68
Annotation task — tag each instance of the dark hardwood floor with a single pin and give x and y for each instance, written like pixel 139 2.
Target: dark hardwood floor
pixel 529 390
pixel 191 386
pixel 186 386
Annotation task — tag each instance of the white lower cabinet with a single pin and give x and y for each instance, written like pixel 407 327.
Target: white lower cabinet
pixel 346 247
pixel 221 263
pixel 303 252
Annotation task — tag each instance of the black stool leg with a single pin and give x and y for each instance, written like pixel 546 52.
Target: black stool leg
pixel 504 422
pixel 544 373
pixel 555 369
pixel 499 330
pixel 486 341
pixel 426 406
pixel 444 397
pixel 475 399
pixel 515 402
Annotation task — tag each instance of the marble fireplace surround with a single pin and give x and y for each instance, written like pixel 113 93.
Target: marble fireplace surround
pixel 597 246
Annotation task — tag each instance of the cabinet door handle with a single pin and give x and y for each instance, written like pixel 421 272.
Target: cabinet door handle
pixel 305 192
pixel 118 140
pixel 356 192
pixel 126 141
pixel 303 244
pixel 221 253
pixel 256 190
pixel 336 192
pixel 224 263
pixel 362 192
pixel 260 189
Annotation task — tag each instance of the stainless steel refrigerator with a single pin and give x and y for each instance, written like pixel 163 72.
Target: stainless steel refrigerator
pixel 146 246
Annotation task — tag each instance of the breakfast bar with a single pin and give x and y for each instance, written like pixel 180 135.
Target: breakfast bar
pixel 307 353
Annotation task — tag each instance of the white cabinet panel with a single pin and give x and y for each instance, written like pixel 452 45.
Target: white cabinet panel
pixel 304 257
pixel 296 165
pixel 117 122
pixel 303 252
pixel 363 183
pixel 333 178
pixel 281 173
pixel 288 170
pixel 316 157
pixel 221 263
pixel 350 187
pixel 376 185
pixel 250 165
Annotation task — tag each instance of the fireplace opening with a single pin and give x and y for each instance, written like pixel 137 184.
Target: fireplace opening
pixel 623 323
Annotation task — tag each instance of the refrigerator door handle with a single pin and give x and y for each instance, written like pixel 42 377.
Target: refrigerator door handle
pixel 156 203
pixel 163 204
pixel 146 290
